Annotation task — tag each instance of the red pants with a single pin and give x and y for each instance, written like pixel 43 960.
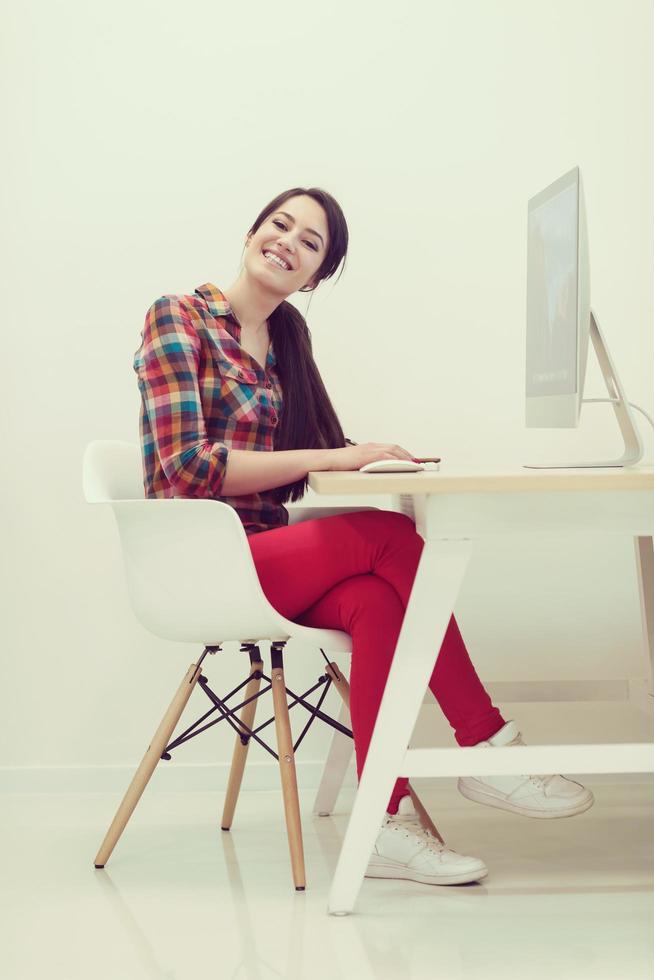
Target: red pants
pixel 354 572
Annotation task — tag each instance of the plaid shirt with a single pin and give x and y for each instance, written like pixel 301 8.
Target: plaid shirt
pixel 202 394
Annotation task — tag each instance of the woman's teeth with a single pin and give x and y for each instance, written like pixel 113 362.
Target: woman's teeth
pixel 269 257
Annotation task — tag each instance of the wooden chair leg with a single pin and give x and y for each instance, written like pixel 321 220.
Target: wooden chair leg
pixel 339 681
pixel 148 765
pixel 343 688
pixel 288 775
pixel 240 753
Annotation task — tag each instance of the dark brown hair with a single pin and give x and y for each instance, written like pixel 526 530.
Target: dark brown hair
pixel 308 419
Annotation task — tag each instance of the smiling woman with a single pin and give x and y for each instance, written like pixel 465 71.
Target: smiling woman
pixel 219 422
pixel 298 240
pixel 194 443
pixel 194 433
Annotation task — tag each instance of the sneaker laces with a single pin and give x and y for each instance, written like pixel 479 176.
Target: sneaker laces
pixel 414 828
pixel 540 781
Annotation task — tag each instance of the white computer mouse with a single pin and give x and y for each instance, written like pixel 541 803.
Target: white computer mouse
pixel 391 466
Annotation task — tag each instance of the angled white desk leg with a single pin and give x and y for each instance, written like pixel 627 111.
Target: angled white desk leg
pixel 436 585
pixel 645 572
pixel 338 759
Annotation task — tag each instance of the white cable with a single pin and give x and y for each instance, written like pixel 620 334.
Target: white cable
pixel 614 401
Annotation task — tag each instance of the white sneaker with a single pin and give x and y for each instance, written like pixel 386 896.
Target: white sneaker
pixel 404 849
pixel 531 796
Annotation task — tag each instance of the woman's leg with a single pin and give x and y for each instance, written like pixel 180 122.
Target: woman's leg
pixel 369 610
pixel 462 697
pixel 299 565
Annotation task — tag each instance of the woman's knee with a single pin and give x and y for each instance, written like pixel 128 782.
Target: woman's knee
pixel 370 602
pixel 397 535
pixel 364 602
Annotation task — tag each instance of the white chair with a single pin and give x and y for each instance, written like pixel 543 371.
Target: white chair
pixel 191 578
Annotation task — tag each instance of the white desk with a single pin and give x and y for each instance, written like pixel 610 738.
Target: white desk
pixel 451 508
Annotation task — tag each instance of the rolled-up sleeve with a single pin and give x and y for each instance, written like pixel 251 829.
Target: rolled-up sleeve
pixel 167 368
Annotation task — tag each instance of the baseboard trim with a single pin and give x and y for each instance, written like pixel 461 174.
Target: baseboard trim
pixel 180 777
pixel 208 777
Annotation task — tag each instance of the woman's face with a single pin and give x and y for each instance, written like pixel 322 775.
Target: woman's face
pixel 298 235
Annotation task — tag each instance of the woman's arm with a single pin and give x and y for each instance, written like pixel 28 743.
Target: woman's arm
pixel 167 369
pixel 251 471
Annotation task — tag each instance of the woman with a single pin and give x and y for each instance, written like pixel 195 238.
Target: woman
pixel 234 408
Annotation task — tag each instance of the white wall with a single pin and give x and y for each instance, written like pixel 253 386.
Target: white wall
pixel 146 136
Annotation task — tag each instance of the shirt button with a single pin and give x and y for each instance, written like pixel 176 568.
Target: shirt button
pixel 273 419
pixel 268 384
pixel 240 374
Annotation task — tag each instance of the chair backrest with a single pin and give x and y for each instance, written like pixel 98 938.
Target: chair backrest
pixel 190 573
pixel 112 470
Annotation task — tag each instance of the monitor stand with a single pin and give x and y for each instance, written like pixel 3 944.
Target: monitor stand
pixel 633 447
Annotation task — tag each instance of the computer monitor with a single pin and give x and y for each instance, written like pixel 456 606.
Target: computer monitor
pixel 558 303
pixel 560 320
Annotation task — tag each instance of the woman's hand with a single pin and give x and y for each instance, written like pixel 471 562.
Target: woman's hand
pixel 353 457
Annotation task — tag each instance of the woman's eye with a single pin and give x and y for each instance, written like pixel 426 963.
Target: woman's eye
pixel 280 224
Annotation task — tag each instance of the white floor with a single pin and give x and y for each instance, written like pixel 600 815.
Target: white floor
pixel 180 899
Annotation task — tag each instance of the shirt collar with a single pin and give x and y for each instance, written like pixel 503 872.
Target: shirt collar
pixel 219 306
pixel 217 302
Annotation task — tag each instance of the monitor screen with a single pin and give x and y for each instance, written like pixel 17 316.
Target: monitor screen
pixel 552 282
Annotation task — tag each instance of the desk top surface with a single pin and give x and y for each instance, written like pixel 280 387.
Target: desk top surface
pixel 458 478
